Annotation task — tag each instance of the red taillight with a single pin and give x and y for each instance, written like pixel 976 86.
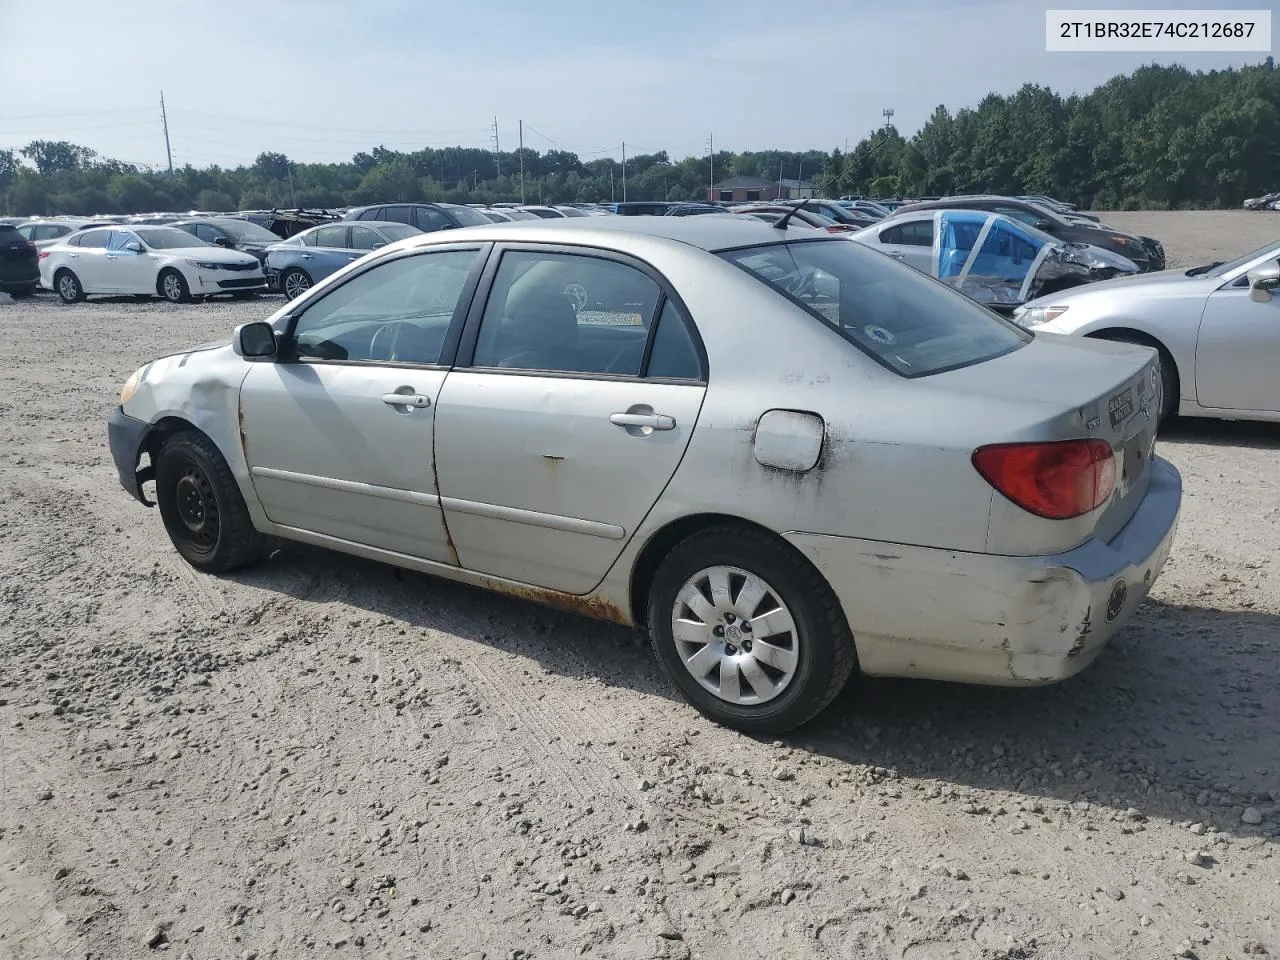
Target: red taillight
pixel 42 253
pixel 1055 480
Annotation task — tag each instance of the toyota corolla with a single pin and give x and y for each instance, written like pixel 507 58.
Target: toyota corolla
pixel 785 455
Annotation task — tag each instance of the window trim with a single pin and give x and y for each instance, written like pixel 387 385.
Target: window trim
pixel 337 225
pixel 480 302
pixel 448 350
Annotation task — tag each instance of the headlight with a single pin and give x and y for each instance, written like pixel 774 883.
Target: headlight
pixel 1035 316
pixel 130 386
pixel 1125 241
pixel 205 264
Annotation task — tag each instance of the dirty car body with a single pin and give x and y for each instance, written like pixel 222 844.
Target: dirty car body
pixel 784 454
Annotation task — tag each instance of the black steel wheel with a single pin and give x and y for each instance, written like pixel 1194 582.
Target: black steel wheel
pixel 201 505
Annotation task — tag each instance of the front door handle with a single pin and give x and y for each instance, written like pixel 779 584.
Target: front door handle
pixel 406 400
pixel 307 256
pixel 654 421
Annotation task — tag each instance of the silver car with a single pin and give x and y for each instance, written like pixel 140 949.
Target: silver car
pixel 787 456
pixel 1216 327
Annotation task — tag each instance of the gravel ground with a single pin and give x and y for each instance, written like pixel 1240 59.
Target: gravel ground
pixel 326 757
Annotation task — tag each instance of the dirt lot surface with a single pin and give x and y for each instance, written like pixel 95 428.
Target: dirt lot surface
pixel 324 757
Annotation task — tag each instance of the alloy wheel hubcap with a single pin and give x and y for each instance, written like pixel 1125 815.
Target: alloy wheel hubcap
pixel 172 288
pixel 197 507
pixel 295 284
pixel 67 287
pixel 735 636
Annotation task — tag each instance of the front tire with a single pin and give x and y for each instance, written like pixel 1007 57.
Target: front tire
pixel 172 285
pixel 68 286
pixel 748 630
pixel 294 282
pixel 201 505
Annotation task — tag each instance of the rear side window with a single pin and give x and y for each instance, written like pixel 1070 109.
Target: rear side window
pixel 93 238
pixel 331 237
pixel 904 320
pixel 674 354
pixel 362 238
pixel 918 233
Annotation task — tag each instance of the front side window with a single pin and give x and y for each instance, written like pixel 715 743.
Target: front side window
pixel 27 231
pixel 362 238
pixel 396 312
pixel 567 313
pixel 895 314
pixel 120 239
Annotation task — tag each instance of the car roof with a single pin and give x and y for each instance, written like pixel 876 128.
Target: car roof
pixel 707 233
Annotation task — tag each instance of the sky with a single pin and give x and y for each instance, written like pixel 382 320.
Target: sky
pixel 320 80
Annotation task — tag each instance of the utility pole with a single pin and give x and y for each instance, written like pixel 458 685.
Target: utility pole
pixel 522 161
pixel 288 169
pixel 624 171
pixel 781 163
pixel 611 198
pixel 887 113
pixel 497 153
pixel 711 149
pixel 164 122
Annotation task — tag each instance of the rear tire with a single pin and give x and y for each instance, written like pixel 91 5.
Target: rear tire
pixel 294 282
pixel 68 286
pixel 172 285
pixel 21 293
pixel 201 505
pixel 810 654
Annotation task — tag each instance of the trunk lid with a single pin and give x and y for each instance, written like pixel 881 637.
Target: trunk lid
pixel 1075 387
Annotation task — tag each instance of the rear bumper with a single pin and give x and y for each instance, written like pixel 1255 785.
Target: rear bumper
pixel 125 436
pixel 979 618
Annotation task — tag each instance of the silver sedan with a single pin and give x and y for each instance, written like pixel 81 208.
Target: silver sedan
pixel 788 456
pixel 1216 327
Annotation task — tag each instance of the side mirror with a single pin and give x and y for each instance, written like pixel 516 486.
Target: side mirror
pixel 254 341
pixel 133 246
pixel 1043 224
pixel 222 242
pixel 1262 280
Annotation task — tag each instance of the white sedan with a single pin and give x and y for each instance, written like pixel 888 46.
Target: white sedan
pixel 1216 327
pixel 155 261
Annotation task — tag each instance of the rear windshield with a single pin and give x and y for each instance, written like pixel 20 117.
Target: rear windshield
pixel 247 232
pixel 907 321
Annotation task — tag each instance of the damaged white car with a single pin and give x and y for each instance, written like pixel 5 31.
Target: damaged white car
pixel 995 260
pixel 786 456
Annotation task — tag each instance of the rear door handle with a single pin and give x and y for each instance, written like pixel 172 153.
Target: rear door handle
pixel 307 256
pixel 406 400
pixel 655 421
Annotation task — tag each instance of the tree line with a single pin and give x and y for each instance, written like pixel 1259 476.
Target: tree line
pixel 1158 138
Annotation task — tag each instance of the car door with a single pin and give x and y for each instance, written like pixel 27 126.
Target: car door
pixel 88 261
pixel 362 240
pixel 129 271
pixel 339 435
pixel 554 434
pixel 1238 351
